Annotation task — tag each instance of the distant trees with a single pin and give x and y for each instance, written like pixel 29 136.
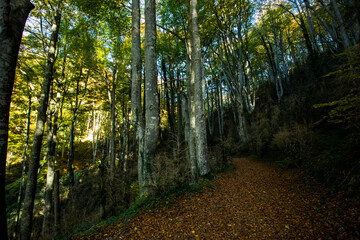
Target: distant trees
pixel 27 213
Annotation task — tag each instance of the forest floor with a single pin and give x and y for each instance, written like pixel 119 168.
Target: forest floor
pixel 255 201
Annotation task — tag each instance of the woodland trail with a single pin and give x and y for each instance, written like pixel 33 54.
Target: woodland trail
pixel 256 201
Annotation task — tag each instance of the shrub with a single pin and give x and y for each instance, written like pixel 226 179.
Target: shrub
pixel 293 144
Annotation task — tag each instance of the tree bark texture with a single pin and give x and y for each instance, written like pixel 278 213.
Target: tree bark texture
pixel 136 84
pixel 13 15
pixel 151 98
pixel 189 105
pixel 196 78
pixel 52 140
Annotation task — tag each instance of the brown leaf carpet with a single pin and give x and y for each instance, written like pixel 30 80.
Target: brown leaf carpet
pixel 256 201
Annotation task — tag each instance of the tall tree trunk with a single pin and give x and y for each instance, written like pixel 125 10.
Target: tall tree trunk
pixel 345 38
pixel 167 97
pixel 136 84
pixel 196 78
pixel 51 148
pixel 27 214
pixel 172 97
pixel 50 168
pixel 13 15
pixel 151 98
pixel 190 110
pixel 70 162
pixel 179 110
pixel 113 121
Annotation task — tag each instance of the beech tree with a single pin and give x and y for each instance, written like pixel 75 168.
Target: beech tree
pixel 197 83
pixel 13 15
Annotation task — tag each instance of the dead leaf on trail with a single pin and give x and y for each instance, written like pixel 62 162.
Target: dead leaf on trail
pixel 256 202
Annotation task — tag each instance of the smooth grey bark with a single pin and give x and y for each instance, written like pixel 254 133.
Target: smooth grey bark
pixel 186 117
pixel 13 15
pixel 189 105
pixel 151 99
pixel 137 112
pixel 196 78
pixel 27 214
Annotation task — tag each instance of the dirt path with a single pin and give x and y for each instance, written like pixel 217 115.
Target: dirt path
pixel 254 202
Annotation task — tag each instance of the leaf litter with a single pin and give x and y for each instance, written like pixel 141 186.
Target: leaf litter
pixel 256 201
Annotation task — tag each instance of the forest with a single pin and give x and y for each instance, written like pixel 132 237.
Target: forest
pixel 179 119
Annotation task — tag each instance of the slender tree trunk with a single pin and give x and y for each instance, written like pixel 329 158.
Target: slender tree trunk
pixel 27 214
pixel 70 162
pixel 50 169
pixel 192 120
pixel 179 111
pixel 328 28
pixel 13 15
pixel 196 77
pixel 113 121
pixel 96 134
pixel 52 140
pixel 78 101
pixel 57 204
pixel 136 84
pixel 167 97
pixel 172 97
pixel 24 156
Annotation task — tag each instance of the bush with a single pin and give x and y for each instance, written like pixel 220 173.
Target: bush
pixel 293 144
